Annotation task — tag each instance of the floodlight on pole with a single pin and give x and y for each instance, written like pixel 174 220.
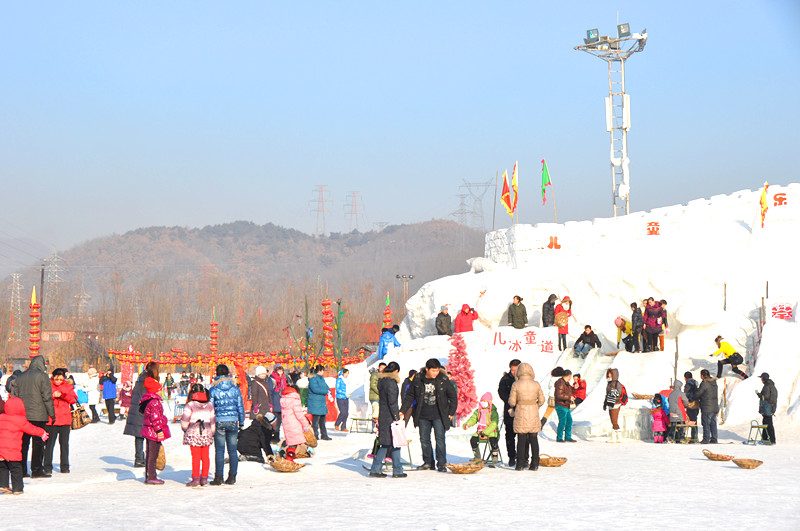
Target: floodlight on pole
pixel 618 114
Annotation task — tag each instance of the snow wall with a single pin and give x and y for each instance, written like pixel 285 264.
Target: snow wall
pixel 710 259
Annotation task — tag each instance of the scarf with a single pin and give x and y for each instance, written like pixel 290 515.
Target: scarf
pixel 483 418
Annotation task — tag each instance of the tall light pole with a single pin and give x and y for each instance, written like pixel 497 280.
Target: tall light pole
pixel 618 114
pixel 405 279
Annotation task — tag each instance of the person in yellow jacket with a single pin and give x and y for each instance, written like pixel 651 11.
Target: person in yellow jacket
pixel 623 325
pixel 732 357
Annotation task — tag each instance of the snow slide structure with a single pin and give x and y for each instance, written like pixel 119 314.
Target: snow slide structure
pixel 719 270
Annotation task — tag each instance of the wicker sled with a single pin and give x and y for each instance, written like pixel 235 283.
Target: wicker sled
pixel 283 465
pixel 748 463
pixel 311 439
pixel 637 396
pixel 717 457
pixel 550 461
pixel 465 468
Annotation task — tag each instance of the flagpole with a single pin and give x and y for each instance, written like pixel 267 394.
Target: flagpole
pixel 494 210
pixel 553 189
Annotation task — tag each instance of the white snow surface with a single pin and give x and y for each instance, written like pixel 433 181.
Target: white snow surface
pixel 633 485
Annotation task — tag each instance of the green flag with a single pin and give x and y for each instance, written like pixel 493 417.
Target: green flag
pixel 545 181
pixel 387 298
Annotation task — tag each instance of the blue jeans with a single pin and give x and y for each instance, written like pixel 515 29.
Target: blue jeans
pixel 582 348
pixel 377 462
pixel 709 426
pixel 227 434
pixel 564 423
pixel 425 440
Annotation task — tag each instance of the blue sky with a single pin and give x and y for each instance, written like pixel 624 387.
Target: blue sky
pixel 120 115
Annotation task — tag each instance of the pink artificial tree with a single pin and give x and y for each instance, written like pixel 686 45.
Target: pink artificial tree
pixel 461 372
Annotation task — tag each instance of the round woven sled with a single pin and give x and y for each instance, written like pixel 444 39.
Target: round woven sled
pixel 717 457
pixel 283 465
pixel 550 461
pixel 749 464
pixel 637 396
pixel 465 468
pixel 311 439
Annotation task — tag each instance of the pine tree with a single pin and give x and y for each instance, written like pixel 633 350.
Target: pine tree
pixel 461 373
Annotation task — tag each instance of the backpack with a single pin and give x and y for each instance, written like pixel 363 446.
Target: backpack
pixel 624 398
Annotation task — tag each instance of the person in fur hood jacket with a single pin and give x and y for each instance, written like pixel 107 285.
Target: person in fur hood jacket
pixel 155 427
pixel 199 425
pixel 229 410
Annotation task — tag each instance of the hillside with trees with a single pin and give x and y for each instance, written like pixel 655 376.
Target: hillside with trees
pixel 154 288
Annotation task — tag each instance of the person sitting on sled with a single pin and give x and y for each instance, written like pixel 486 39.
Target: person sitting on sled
pixel 486 419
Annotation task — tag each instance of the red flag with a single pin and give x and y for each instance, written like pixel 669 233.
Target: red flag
pixel 505 197
pixel 514 187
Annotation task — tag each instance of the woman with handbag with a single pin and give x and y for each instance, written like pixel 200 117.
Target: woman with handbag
pixel 63 396
pixel 563 312
pixel 388 414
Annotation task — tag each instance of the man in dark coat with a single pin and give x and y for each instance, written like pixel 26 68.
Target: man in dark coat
pixel 256 438
pixel 504 391
pixel 444 323
pixel 586 342
pixel 34 389
pixel 133 423
pixel 436 403
pixel 637 325
pixel 517 314
pixel 549 311
pixel 767 405
pixel 708 399
pixel 690 390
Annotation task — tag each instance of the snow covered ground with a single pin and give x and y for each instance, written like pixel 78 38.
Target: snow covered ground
pixel 634 485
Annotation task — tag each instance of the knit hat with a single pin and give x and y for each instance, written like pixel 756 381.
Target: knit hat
pixel 444 307
pixel 199 396
pixel 152 385
pixel 92 372
pixel 487 397
pixel 260 370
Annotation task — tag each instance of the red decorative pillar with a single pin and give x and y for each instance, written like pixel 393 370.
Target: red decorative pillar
pixel 35 322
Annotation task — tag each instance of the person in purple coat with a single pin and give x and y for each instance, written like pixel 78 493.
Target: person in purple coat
pixel 155 427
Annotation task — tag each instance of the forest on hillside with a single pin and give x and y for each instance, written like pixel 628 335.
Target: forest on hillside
pixel 155 288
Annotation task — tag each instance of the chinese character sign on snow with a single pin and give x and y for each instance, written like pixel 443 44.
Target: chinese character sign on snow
pixel 782 311
pixel 780 199
pixel 653 228
pixel 530 340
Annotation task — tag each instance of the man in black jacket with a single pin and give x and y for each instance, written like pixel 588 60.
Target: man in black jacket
pixel 549 311
pixel 444 323
pixel 637 325
pixel 690 390
pixel 503 391
pixel 586 342
pixel 706 396
pixel 34 389
pixel 767 405
pixel 436 403
pixel 256 438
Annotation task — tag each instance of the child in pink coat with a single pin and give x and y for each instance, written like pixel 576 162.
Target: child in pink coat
pixel 295 423
pixel 660 419
pixel 199 425
pixel 13 424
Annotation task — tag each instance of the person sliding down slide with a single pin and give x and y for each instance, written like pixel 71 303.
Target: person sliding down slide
pixel 732 357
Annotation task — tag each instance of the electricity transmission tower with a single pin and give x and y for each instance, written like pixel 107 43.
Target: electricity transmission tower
pixel 15 297
pixel 82 302
pixel 477 191
pixel 463 211
pixel 52 282
pixel 355 204
pixel 319 207
pixel 380 225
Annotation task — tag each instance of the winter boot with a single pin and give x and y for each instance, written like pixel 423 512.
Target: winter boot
pixel 195 482
pixel 477 454
pixel 618 435
pixel 231 479
pixel 218 480
pixel 495 458
pixel 544 421
pixel 203 481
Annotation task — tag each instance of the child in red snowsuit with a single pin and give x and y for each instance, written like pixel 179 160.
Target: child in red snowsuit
pixel 13 424
pixel 660 419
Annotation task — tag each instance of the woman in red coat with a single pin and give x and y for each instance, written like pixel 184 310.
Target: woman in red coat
pixel 464 319
pixel 566 308
pixel 63 396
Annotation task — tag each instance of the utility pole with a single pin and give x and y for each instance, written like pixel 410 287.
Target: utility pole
pixel 319 208
pixel 618 113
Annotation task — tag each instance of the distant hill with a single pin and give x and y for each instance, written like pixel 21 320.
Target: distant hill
pixel 175 275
